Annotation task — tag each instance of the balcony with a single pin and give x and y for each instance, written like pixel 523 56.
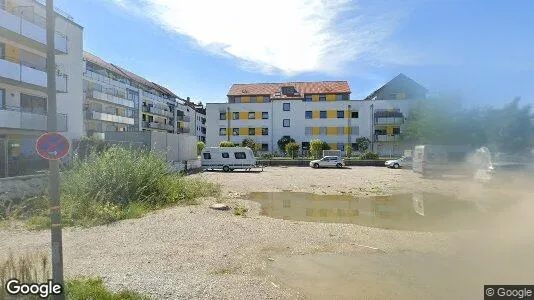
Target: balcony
pixel 20 118
pixel 96 115
pixel 156 125
pixel 183 130
pixel 389 120
pixel 19 74
pixel 29 33
pixel 110 98
pixel 157 111
pixel 387 138
pixel 104 79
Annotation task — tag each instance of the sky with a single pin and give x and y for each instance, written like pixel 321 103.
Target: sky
pixel 482 50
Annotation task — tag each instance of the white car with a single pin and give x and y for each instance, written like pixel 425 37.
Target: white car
pixel 403 162
pixel 328 161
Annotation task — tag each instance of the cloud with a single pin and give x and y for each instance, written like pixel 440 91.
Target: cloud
pixel 282 36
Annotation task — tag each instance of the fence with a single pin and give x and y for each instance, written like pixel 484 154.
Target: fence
pixel 19 157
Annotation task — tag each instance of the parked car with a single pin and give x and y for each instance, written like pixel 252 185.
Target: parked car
pixel 403 162
pixel 328 161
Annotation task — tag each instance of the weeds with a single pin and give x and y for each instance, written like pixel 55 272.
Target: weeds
pixel 35 267
pixel 109 186
pixel 240 211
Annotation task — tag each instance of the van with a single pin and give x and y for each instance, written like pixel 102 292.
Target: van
pixel 227 158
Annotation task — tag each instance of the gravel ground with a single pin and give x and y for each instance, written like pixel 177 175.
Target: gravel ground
pixel 194 252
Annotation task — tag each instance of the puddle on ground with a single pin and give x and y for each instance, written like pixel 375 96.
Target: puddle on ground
pixel 414 211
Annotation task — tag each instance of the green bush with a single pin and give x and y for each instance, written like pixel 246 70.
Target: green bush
pixel 292 148
pixel 250 143
pixel 348 151
pixel 267 156
pixel 369 155
pixel 200 147
pixel 226 144
pixel 317 146
pixel 121 184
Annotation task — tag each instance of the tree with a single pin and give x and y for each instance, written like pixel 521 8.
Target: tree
pixel 250 143
pixel 226 144
pixel 362 144
pixel 317 146
pixel 348 151
pixel 200 147
pixel 293 149
pixel 282 142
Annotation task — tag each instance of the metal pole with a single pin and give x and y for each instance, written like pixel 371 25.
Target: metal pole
pixel 228 120
pixel 55 213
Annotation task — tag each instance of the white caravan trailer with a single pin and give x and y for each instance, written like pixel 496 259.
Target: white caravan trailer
pixel 227 158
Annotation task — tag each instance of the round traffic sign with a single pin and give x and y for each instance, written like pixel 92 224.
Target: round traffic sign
pixel 52 146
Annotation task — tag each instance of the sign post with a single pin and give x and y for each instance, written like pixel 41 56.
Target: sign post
pixel 52 146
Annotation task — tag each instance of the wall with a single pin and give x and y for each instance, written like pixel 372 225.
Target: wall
pixel 22 187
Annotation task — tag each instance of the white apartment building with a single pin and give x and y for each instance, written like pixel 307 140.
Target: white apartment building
pixel 119 100
pixel 304 111
pixel 23 78
pixel 197 118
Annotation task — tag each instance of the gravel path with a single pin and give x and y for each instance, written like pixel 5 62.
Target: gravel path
pixel 197 253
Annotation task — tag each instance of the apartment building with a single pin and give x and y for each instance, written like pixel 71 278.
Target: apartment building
pixel 23 78
pixel 119 100
pixel 197 116
pixel 304 111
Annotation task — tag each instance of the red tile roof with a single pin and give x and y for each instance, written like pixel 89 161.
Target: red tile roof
pixel 270 89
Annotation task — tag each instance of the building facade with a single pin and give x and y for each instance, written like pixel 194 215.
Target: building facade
pixel 304 111
pixel 23 79
pixel 119 100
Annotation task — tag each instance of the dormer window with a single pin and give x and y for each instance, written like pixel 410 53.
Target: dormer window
pixel 289 90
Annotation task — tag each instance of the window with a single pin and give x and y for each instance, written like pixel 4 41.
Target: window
pixel 339 97
pixel 355 130
pixel 308 98
pixel 237 99
pixel 235 131
pixel 396 130
pixel 354 115
pixel 322 130
pixel 240 155
pixel 340 114
pixel 340 130
pixel 265 131
pixel 286 122
pixel 288 90
pixel 253 99
pixel 265 115
pixel 286 106
pixel 341 146
pixel 322 97
pixel 308 114
pixel 251 115
pixel 345 97
pixel 225 155
pixel 207 155
pixel 236 115
pixel 251 131
pixel 322 114
pixel 264 147
pixel 266 99
pixel 222 116
pixel 308 131
pixel 305 145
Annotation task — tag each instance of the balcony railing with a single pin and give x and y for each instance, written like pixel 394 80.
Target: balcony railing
pixel 104 79
pixel 389 120
pixel 110 98
pixel 184 130
pixel 162 126
pixel 22 118
pixel 387 138
pixel 96 115
pixel 17 71
pixel 33 32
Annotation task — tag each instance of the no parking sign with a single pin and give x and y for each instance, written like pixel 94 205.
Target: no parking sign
pixel 52 146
